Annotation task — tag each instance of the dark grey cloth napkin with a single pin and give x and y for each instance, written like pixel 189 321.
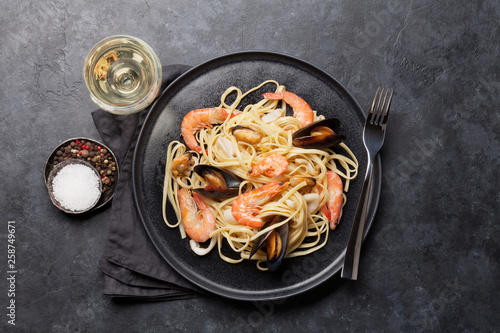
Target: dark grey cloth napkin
pixel 132 266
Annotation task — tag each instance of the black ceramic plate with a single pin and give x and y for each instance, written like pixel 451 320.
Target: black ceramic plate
pixel 202 87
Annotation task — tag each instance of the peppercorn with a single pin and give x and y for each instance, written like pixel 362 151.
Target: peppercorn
pixel 100 158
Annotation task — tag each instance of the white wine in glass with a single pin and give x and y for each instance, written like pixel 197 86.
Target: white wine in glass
pixel 122 74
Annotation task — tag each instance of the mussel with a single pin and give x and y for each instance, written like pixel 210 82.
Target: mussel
pixel 219 183
pixel 183 165
pixel 319 134
pixel 275 241
pixel 296 180
pixel 246 134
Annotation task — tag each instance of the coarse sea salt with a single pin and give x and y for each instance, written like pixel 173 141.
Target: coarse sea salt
pixel 76 187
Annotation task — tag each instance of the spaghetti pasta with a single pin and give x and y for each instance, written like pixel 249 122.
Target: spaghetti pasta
pixel 304 208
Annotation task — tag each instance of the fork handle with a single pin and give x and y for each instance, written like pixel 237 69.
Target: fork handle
pixel 351 261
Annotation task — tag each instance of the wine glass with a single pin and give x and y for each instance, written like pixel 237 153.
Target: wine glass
pixel 122 74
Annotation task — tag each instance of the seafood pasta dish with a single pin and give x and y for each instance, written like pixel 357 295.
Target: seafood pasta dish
pixel 268 185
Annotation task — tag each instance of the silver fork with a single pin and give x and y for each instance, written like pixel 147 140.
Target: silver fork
pixel 373 138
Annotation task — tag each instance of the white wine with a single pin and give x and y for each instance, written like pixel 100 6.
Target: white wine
pixel 122 74
pixel 122 77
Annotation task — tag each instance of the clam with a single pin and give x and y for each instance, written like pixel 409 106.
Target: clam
pixel 219 183
pixel 246 134
pixel 319 134
pixel 275 241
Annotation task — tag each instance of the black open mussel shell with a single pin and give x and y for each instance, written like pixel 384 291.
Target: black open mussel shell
pixel 262 238
pixel 274 258
pixel 219 183
pixel 303 138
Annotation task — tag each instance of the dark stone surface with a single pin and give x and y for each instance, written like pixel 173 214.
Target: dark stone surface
pixel 430 261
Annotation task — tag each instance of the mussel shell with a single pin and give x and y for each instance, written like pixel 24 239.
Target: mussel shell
pixel 274 258
pixel 296 180
pixel 182 165
pixel 303 138
pixel 274 247
pixel 246 134
pixel 230 187
pixel 262 238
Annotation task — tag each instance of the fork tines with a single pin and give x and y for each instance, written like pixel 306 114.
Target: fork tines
pixel 380 106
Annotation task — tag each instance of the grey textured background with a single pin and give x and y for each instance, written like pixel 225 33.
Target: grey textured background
pixel 429 263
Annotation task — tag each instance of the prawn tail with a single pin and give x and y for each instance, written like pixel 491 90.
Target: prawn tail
pixel 334 220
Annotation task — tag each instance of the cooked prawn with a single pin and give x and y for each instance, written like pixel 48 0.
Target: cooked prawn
pixel 333 206
pixel 271 166
pixel 197 217
pixel 202 118
pixel 301 110
pixel 249 204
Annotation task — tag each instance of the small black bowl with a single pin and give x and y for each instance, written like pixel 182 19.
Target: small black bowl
pixel 109 189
